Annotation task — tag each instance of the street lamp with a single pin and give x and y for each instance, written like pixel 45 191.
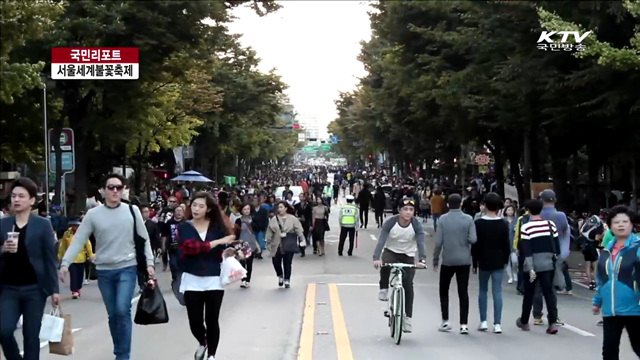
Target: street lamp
pixel 45 78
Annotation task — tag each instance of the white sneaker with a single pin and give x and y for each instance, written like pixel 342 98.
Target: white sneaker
pixel 445 327
pixel 244 285
pixel 510 281
pixel 497 329
pixel 211 358
pixel 383 295
pixel 464 330
pixel 406 325
pixel 483 326
pixel 201 352
pixel 86 281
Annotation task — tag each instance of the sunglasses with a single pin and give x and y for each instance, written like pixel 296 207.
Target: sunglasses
pixel 115 187
pixel 408 202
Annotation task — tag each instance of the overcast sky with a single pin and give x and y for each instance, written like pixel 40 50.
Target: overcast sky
pixel 314 47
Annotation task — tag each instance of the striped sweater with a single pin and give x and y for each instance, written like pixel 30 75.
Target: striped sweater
pixel 539 245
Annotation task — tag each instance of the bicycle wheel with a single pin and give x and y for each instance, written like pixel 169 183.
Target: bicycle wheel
pixel 392 322
pixel 398 314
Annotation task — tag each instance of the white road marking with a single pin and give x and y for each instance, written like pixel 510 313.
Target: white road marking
pixel 45 343
pixel 576 330
pixel 580 284
pixel 374 238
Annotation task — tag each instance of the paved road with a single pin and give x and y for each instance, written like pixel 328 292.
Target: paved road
pixel 332 313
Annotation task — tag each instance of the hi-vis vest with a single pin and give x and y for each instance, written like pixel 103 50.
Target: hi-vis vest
pixel 327 191
pixel 348 215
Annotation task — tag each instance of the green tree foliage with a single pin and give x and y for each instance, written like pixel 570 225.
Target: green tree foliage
pixel 626 57
pixel 196 82
pixel 22 21
pixel 443 76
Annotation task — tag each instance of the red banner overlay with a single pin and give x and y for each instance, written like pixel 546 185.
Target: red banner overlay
pixel 105 55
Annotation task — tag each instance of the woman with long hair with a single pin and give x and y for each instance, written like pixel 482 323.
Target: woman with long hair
pixel 246 231
pixel 319 224
pixel 283 240
pixel 202 241
pixel 509 215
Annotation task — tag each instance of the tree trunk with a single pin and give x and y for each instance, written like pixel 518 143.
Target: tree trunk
pixel 594 163
pixel 526 169
pixel 534 146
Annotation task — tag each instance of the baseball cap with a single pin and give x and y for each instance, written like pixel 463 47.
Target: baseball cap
pixel 349 197
pixel 548 195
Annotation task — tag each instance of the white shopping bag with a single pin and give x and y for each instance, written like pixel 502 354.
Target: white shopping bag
pixel 231 271
pixel 52 326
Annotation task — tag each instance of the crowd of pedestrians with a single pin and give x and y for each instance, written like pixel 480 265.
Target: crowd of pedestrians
pixel 196 230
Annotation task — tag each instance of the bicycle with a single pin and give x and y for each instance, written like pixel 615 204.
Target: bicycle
pixel 395 310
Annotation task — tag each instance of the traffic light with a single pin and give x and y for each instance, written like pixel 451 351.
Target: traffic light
pixel 370 156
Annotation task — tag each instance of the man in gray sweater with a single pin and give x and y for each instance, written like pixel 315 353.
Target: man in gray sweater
pixel 115 259
pixel 454 237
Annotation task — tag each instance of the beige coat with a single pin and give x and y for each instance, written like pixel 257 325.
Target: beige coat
pixel 290 224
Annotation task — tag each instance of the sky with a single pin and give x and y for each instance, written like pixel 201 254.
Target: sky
pixel 313 45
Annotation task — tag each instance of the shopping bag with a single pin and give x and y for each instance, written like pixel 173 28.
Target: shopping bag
pixel 52 326
pixel 151 307
pixel 231 271
pixel 175 287
pixel 93 273
pixel 65 345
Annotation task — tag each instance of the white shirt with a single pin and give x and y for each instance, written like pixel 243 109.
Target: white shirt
pixel 401 240
pixel 192 282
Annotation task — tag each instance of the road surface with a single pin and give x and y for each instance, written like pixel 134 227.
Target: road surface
pixel 332 313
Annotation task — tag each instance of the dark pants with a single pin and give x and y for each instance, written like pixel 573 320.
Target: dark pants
pixel 173 266
pixel 281 261
pixel 364 216
pixel 545 278
pixel 435 221
pixel 344 231
pixel 203 311
pixel 567 277
pixel 612 327
pixel 76 276
pixel 390 257
pixel 248 265
pixel 521 275
pixel 462 279
pixel 305 228
pixel 379 216
pixel 28 301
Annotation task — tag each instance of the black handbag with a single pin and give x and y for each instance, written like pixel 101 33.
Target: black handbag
pixel 139 243
pixel 151 309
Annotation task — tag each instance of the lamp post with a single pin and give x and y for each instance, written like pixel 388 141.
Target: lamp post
pixel 44 78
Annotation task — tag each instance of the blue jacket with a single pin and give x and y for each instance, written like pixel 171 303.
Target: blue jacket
pixel 618 291
pixel 202 261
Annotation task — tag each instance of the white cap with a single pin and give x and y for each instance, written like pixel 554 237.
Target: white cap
pixel 349 197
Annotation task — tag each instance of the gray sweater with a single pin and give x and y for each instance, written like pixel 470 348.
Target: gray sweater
pixel 113 229
pixel 456 233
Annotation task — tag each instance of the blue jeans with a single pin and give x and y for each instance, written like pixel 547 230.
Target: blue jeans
pixel 435 221
pixel 117 288
pixel 496 293
pixel 28 301
pixel 260 237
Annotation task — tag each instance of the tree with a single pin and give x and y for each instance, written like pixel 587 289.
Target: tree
pixel 22 21
pixel 606 54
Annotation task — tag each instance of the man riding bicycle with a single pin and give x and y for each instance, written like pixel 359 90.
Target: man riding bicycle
pixel 400 237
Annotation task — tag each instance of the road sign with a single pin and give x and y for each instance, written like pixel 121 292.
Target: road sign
pixel 187 152
pixel 482 159
pixel 334 139
pixel 67 148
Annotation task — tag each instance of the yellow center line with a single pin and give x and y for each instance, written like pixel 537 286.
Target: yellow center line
pixel 343 344
pixel 305 349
